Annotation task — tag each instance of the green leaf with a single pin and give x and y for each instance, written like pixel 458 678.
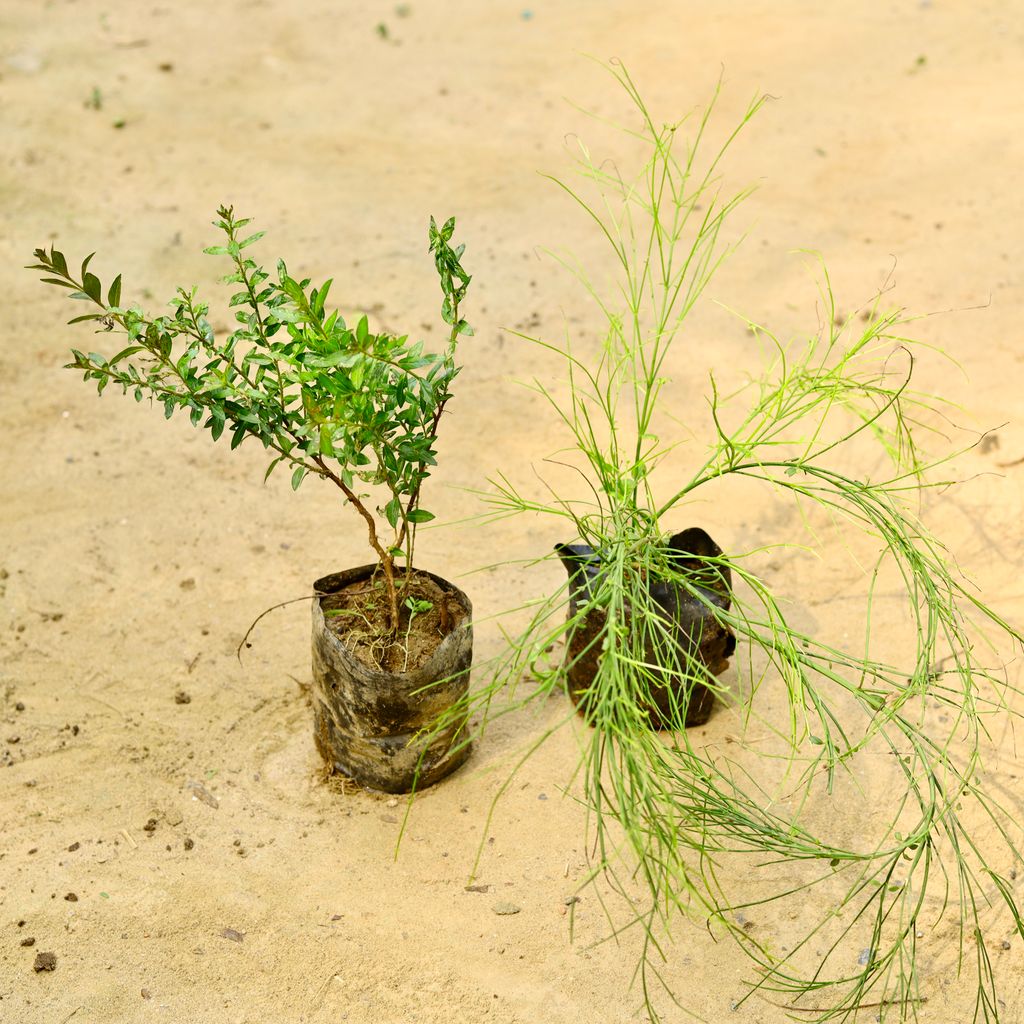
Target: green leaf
pixel 338 358
pixel 362 330
pixel 273 465
pixel 297 474
pixel 92 287
pixel 252 238
pixel 321 295
pixel 420 515
pixel 114 292
pixel 283 314
pixel 58 262
pixel 125 352
pixel 392 511
pixel 873 700
pixel 326 446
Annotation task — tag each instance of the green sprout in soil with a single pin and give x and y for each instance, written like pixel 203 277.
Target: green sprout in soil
pixel 357 408
pixel 936 849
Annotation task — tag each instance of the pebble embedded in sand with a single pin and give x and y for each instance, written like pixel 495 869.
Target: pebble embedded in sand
pixel 28 62
pixel 45 962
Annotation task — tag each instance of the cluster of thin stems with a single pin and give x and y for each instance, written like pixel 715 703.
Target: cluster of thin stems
pixel 684 819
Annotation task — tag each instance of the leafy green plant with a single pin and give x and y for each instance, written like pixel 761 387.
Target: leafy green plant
pixel 326 399
pixel 937 848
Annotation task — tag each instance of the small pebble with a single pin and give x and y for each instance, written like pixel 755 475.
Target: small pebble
pixel 73 847
pixel 181 697
pixel 28 62
pixel 71 897
pixel 200 792
pixel 188 844
pixel 30 941
pixel 45 962
pixel 505 909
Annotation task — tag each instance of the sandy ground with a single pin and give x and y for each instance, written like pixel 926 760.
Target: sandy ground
pixel 135 553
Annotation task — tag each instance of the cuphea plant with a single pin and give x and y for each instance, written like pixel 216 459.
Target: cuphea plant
pixel 355 407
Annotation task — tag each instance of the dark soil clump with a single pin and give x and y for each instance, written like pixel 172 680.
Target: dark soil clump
pixel 45 962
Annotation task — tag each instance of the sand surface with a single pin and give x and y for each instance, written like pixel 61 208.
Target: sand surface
pixel 135 553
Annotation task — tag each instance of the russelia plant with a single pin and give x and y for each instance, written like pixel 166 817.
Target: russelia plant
pixel 716 832
pixel 355 407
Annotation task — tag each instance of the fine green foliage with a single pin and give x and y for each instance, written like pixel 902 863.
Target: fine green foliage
pixel 327 399
pixel 686 820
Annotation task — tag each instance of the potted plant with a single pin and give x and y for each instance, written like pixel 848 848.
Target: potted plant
pixel 649 617
pixel 392 644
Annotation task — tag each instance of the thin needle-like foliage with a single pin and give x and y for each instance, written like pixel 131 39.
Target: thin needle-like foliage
pixel 673 823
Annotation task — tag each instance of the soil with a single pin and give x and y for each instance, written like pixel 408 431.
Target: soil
pixel 135 553
pixel 358 614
